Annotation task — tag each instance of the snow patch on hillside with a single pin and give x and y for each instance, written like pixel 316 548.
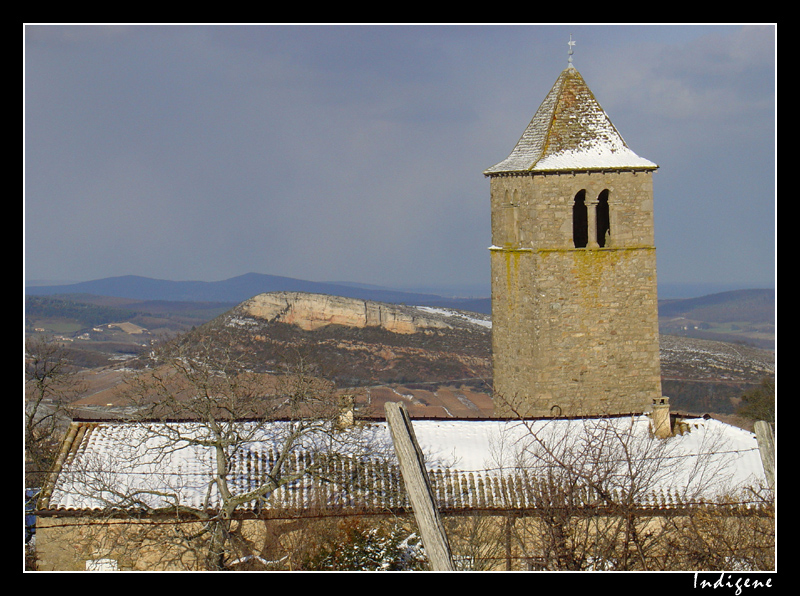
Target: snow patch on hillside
pixel 470 317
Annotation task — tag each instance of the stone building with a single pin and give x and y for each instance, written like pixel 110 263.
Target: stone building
pixel 574 302
pixel 125 496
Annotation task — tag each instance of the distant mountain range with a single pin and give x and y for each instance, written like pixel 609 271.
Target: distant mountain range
pixel 736 305
pixel 756 306
pixel 238 289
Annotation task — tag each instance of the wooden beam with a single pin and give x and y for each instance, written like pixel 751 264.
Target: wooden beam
pixel 766 446
pixel 418 487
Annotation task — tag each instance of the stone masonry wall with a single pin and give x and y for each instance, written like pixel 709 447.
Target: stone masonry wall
pixel 575 330
pixel 535 211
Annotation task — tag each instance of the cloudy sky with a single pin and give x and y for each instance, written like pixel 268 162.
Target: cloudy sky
pixel 356 153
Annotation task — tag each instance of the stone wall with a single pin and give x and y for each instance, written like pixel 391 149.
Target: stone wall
pixel 535 211
pixel 575 330
pixel 86 543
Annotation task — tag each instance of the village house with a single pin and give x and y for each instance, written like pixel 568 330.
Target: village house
pixel 112 472
pixel 114 477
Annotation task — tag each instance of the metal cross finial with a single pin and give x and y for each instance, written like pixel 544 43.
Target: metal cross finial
pixel 570 44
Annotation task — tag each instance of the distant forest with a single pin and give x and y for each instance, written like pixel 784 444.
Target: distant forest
pixel 700 397
pixel 88 315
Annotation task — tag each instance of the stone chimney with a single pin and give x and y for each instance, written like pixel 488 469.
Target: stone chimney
pixel 660 422
pixel 346 417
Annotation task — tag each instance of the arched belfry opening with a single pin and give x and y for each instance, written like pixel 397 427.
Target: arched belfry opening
pixel 603 218
pixel 580 221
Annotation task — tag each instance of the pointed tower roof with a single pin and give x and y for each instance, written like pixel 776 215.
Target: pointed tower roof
pixel 569 132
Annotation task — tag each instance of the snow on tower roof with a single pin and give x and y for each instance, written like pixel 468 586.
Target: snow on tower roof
pixel 570 131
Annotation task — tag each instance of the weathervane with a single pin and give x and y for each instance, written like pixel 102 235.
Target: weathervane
pixel 570 44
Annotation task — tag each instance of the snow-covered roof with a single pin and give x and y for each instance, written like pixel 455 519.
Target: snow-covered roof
pixel 570 131
pixel 706 460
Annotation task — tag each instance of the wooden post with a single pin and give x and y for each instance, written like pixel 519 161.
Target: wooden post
pixel 418 487
pixel 766 446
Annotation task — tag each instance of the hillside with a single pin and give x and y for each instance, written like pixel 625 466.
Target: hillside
pixel 736 316
pixel 97 328
pixel 359 342
pixel 744 317
pixel 740 316
pixel 437 360
pixel 428 349
pixel 435 352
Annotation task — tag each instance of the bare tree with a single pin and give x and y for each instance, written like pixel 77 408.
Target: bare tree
pixel 584 482
pixel 593 486
pixel 480 541
pixel 202 402
pixel 724 536
pixel 759 403
pixel 51 383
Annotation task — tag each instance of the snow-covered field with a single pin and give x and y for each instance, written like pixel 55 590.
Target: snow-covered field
pixel 477 319
pixel 684 357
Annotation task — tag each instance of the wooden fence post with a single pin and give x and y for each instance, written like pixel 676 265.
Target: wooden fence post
pixel 418 487
pixel 766 446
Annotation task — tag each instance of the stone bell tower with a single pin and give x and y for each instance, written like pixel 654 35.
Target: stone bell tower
pixel 574 302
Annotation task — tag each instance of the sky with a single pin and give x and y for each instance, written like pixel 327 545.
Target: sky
pixel 356 152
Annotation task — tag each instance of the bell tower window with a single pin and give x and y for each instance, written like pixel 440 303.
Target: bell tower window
pixel 580 223
pixel 603 220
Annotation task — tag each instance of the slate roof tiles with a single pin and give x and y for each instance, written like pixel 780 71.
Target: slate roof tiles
pixel 570 131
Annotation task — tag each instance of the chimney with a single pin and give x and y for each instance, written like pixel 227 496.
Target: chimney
pixel 346 417
pixel 659 418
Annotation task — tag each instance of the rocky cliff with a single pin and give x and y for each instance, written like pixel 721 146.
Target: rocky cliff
pixel 313 311
pixel 363 342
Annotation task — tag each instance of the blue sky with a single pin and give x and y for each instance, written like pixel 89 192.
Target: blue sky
pixel 356 153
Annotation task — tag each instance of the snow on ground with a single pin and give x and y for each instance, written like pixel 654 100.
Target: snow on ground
pixel 457 314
